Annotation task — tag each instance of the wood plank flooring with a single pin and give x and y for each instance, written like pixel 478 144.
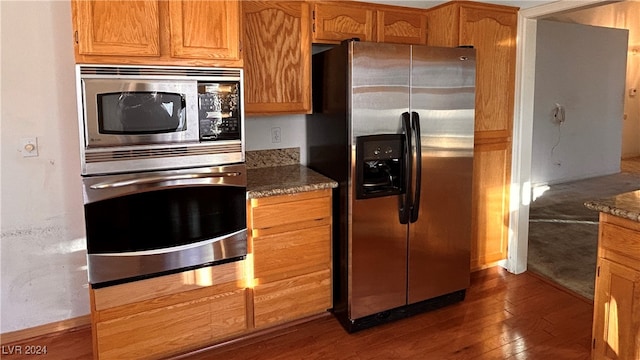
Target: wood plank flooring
pixel 504 316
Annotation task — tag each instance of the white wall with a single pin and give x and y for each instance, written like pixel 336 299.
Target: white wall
pixel 292 133
pixel 620 15
pixel 42 249
pixel 583 69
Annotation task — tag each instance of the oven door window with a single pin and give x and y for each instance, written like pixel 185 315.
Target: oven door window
pixel 141 112
pixel 164 218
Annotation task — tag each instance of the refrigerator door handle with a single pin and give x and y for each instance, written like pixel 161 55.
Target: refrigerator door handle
pixel 404 200
pixel 415 205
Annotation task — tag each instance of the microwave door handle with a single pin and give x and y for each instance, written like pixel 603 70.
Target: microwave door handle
pixel 159 179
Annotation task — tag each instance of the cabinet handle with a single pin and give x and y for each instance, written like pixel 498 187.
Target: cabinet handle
pixel 75 36
pixel 598 275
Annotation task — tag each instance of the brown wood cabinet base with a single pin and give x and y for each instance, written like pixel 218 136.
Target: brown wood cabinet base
pixel 616 308
pixel 286 277
pixel 168 315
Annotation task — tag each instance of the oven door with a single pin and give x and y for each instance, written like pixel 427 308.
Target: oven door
pixel 150 224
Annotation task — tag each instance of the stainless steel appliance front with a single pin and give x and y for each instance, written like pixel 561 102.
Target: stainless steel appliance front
pixel 147 224
pixel 409 247
pixel 135 118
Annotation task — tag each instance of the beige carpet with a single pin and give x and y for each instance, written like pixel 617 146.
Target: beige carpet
pixel 563 234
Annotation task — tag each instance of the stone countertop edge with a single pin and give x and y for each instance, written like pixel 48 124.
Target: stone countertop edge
pixel 283 180
pixel 626 205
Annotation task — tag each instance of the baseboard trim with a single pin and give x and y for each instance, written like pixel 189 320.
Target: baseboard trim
pixel 477 266
pixel 46 329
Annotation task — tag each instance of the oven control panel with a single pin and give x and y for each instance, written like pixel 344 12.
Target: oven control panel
pixel 219 111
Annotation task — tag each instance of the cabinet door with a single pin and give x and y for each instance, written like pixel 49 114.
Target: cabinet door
pixel 205 29
pixel 616 319
pixel 493 34
pixel 490 213
pixel 403 27
pixel 127 28
pixel 277 60
pixel 336 22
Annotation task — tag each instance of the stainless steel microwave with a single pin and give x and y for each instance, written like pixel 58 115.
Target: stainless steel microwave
pixel 134 118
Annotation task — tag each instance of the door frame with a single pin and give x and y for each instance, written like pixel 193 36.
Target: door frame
pixel 520 191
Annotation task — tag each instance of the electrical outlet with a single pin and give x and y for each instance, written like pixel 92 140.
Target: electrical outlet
pixel 275 135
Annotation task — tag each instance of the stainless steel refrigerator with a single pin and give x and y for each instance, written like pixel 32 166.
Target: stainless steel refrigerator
pixel 394 125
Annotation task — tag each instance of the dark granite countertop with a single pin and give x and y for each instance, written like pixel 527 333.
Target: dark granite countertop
pixel 281 180
pixel 626 205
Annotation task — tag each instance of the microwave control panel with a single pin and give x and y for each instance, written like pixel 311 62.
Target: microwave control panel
pixel 219 111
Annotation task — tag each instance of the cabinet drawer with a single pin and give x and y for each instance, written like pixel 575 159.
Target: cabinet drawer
pixel 292 299
pixel 290 209
pixel 620 236
pixel 291 253
pixel 133 292
pixel 193 324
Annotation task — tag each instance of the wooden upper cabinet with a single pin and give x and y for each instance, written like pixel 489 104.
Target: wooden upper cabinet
pixel 334 21
pixel 493 34
pixel 200 29
pixel 403 27
pixel 153 32
pixel 337 21
pixel 129 28
pixel 491 30
pixel 277 60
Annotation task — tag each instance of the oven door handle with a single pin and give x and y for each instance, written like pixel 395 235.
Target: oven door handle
pixel 159 179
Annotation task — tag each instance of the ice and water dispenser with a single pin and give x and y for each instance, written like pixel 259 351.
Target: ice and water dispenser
pixel 379 165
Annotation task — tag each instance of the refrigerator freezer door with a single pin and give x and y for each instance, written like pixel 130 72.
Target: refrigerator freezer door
pixel 380 78
pixel 443 95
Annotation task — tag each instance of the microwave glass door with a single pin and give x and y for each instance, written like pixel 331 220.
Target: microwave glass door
pixel 123 112
pixel 141 112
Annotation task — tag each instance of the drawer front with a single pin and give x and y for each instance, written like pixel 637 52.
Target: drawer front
pixel 292 299
pixel 147 334
pixel 133 292
pixel 283 213
pixel 291 253
pixel 620 239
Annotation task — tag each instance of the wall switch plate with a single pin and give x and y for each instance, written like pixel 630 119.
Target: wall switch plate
pixel 29 147
pixel 276 136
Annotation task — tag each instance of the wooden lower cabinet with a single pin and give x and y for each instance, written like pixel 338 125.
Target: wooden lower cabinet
pixel 616 313
pixel 490 212
pixel 286 276
pixel 291 247
pixel 168 315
